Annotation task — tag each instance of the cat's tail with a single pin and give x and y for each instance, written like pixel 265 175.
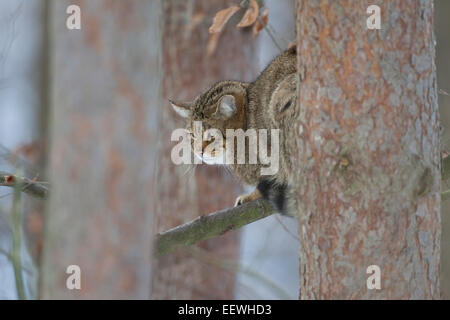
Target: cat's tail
pixel 278 194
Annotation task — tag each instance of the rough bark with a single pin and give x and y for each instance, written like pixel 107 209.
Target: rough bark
pixel 105 102
pixel 366 150
pixel 184 195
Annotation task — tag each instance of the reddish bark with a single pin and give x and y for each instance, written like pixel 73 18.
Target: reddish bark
pixel 366 149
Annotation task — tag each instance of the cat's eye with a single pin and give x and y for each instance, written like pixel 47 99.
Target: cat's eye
pixel 286 106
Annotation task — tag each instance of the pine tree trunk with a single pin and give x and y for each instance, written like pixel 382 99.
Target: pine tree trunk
pixel 365 150
pixel 105 105
pixel 185 192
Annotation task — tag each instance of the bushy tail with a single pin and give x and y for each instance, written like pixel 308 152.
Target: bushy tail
pixel 277 194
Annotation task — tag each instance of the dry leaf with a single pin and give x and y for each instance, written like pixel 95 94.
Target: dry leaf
pixel 222 18
pixel 261 22
pixel 212 43
pixel 250 15
pixel 265 16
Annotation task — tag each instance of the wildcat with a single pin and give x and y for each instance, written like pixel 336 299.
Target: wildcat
pixel 269 102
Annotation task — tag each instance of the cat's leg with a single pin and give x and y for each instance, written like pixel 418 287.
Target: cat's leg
pixel 248 197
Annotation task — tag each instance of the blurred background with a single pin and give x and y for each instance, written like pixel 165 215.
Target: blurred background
pixel 87 110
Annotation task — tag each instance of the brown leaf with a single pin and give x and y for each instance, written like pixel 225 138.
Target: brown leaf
pixel 212 43
pixel 265 16
pixel 222 18
pixel 261 22
pixel 250 15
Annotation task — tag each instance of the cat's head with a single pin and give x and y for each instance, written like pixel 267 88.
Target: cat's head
pixel 221 107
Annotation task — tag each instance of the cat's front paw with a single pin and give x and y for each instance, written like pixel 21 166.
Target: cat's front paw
pixel 247 197
pixel 242 199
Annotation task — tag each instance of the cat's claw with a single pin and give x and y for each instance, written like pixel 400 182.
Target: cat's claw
pixel 242 199
pixel 247 197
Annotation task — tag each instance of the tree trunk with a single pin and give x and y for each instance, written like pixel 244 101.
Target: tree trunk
pixel 184 194
pixel 365 150
pixel 105 103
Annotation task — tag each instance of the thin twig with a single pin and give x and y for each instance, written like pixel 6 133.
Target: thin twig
pixel 272 37
pixel 235 267
pixel 9 256
pixel 16 228
pixel 6 253
pixel 31 187
pixel 445 93
pixel 289 232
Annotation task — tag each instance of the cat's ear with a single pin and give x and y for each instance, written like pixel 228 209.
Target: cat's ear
pixel 227 107
pixel 183 109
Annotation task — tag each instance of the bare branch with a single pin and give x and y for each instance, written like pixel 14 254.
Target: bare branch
pixel 212 225
pixel 16 228
pixel 31 187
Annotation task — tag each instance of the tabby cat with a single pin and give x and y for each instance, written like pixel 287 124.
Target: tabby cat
pixel 269 102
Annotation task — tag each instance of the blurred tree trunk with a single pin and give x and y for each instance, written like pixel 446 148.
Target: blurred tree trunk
pixel 184 195
pixel 35 152
pixel 368 166
pixel 105 101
